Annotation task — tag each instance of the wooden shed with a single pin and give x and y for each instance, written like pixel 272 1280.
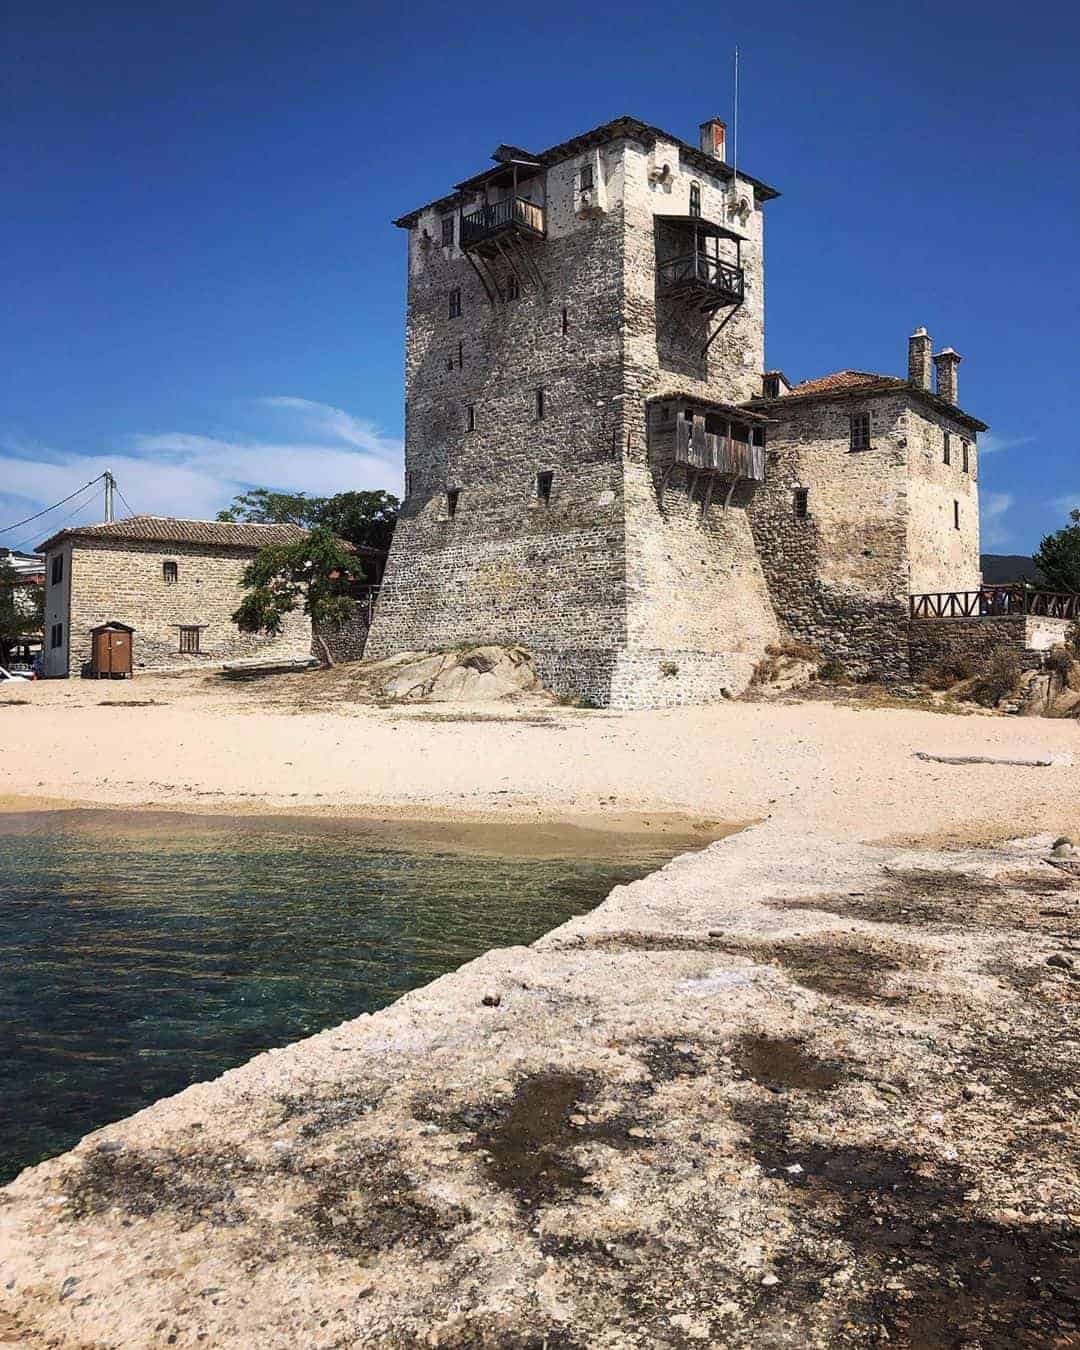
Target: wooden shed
pixel 110 650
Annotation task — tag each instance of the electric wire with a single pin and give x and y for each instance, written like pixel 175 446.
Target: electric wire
pixel 18 548
pixel 131 509
pixel 63 500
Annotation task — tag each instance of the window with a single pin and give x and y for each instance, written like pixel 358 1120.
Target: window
pixel 513 287
pixel 454 304
pixel 860 431
pixel 948 449
pixel 448 231
pixel 956 515
pixel 965 450
pixel 450 362
pixel 772 386
pixel 695 199
pixel 189 641
pixel 758 435
pixel 544 480
pixel 586 177
pixel 408 484
pixel 170 573
pixel 565 321
pixel 802 503
pixel 460 356
pixel 56 635
pixel 470 416
pixel 58 569
pixel 540 403
pixel 452 495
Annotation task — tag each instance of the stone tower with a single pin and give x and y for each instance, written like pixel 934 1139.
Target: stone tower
pixel 582 326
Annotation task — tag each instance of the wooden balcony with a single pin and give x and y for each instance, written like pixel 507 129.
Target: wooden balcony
pixel 513 216
pixel 698 276
pixel 710 452
pixel 992 601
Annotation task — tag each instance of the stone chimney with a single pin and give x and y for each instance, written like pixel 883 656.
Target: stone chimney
pixel 919 348
pixel 713 139
pixel 946 363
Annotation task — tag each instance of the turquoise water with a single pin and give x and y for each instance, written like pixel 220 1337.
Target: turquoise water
pixel 132 965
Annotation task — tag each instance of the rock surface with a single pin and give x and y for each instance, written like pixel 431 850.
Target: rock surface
pixel 789 1091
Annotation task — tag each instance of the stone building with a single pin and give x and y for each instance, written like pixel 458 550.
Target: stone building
pixel 586 424
pixel 175 582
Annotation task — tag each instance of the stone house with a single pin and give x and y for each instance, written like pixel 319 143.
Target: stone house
pixel 175 582
pixel 598 464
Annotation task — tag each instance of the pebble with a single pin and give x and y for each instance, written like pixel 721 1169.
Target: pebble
pixel 769 1280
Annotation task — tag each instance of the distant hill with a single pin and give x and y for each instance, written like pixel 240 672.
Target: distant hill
pixel 999 568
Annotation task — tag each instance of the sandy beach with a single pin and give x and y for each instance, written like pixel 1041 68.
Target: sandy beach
pixel 196 743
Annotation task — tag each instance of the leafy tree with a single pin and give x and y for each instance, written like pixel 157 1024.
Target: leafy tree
pixel 22 608
pixel 282 578
pixel 1058 558
pixel 361 518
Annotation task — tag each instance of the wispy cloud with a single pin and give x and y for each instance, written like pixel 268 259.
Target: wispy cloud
pixel 995 506
pixel 317 448
pixel 1063 505
pixel 989 444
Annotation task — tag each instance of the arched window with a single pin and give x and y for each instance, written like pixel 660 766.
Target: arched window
pixel 170 573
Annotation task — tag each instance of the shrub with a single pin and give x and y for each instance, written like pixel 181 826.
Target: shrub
pixel 668 668
pixel 832 671
pixel 1072 638
pixel 1000 677
pixel 1060 660
pixel 950 670
pixel 794 649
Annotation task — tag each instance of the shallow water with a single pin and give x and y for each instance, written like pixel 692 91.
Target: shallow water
pixel 133 964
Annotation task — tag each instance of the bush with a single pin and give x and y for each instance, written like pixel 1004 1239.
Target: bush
pixel 832 671
pixel 1072 638
pixel 794 649
pixel 668 668
pixel 999 679
pixel 950 670
pixel 1060 660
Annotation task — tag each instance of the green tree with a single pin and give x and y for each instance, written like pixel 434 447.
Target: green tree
pixel 22 609
pixel 363 519
pixel 307 575
pixel 1058 558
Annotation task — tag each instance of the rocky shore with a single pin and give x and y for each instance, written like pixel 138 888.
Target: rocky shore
pixel 788 1091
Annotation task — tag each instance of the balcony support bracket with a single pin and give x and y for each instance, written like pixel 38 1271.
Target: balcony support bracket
pixel 487 280
pixel 720 327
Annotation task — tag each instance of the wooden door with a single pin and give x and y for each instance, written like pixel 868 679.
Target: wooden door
pixel 101 653
pixel 119 653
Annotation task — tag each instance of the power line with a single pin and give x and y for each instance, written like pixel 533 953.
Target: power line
pixel 129 506
pixel 74 512
pixel 63 500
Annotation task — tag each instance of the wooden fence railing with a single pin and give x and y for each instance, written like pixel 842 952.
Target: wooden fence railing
pixel 705 450
pixel 992 601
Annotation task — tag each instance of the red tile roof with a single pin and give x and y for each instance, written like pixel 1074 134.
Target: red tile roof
pixel 168 530
pixel 841 381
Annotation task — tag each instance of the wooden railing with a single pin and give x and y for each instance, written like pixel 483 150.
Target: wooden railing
pixel 996 600
pixel 499 216
pixel 699 270
pixel 705 450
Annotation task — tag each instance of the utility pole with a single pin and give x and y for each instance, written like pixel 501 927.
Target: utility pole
pixel 110 484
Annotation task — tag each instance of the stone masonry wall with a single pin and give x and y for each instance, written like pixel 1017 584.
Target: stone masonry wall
pixel 1030 636
pixel 124 581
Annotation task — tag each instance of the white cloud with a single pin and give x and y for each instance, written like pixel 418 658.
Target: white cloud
pixel 989 444
pixel 190 474
pixel 993 531
pixel 1063 505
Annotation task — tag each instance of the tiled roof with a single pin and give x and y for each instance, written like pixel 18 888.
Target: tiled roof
pixel 842 380
pixel 168 530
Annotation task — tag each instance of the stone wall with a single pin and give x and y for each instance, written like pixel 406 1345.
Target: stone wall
pixel 124 581
pixel 344 643
pixel 1030 636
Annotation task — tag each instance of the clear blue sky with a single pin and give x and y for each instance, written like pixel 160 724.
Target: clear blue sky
pixel 202 288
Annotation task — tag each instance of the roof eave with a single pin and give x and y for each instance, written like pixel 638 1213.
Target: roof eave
pixel 876 391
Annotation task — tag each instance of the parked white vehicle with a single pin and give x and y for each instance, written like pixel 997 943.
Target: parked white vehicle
pixel 14 675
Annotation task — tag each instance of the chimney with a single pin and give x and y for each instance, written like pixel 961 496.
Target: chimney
pixel 946 364
pixel 713 138
pixel 918 358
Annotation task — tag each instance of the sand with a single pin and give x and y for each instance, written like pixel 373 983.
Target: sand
pixel 192 743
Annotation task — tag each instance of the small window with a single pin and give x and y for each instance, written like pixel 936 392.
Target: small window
pixel 461 356
pixel 448 231
pixel 965 450
pixel 540 403
pixel 948 449
pixel 586 177
pixel 408 484
pixel 513 287
pixel 454 304
pixel 56 635
pixel 802 503
pixel 772 386
pixel 450 362
pixel 860 431
pixel 758 435
pixel 452 495
pixel 170 573
pixel 956 515
pixel 695 199
pixel 470 416
pixel 189 641
pixel 565 321
pixel 58 569
pixel 544 480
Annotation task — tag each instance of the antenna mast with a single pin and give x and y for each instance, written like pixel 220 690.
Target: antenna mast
pixel 110 484
pixel 735 135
